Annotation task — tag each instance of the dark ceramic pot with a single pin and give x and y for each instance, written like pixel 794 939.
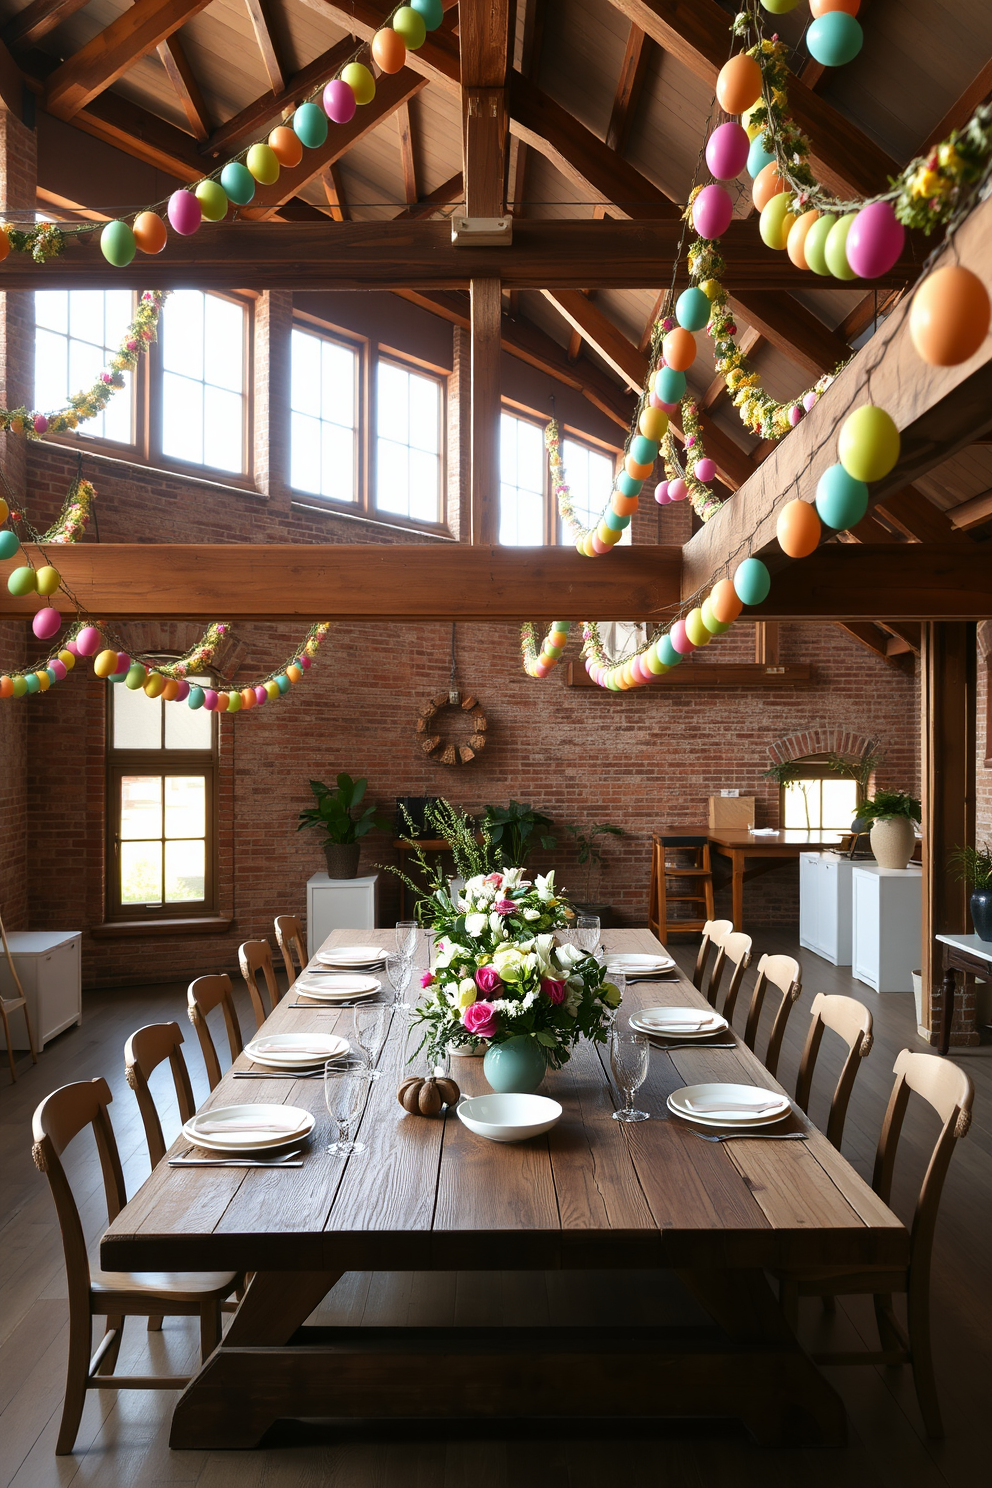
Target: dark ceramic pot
pixel 981 913
pixel 342 859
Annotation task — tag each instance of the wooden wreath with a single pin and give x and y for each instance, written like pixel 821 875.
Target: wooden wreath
pixel 451 754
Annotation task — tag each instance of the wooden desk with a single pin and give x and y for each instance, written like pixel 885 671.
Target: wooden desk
pixel 971 956
pixel 591 1194
pixel 737 844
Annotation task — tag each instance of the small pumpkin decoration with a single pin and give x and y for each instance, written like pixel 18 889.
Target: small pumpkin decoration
pixel 426 1097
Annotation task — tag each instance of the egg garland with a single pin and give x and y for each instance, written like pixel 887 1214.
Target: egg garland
pixel 949 316
pixel 542 663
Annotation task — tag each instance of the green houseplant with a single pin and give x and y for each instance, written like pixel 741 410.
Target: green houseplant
pixel 334 814
pixel 515 831
pixel 592 859
pixel 892 815
pixel 974 866
pixel 789 772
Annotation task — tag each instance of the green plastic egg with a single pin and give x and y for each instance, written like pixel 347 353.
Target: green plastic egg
pixel 48 579
pixel 717 627
pixel 868 443
pixel 263 163
pixel 9 543
pixel 692 309
pixel 643 451
pixel 238 183
pixel 213 199
pixel 836 248
pixel 360 81
pixel 117 244
pixel 22 581
pixel 136 675
pixel 273 689
pixel 409 25
pixel 234 702
pixel 779 7
pixel 815 243
pixel 310 124
pixel 20 685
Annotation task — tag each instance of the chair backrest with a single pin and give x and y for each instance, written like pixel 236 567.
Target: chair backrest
pixel 950 1092
pixel 851 1021
pixel 714 934
pixel 143 1053
pixel 785 974
pixel 290 940
pixel 255 956
pixel 206 993
pixel 59 1118
pixel 735 948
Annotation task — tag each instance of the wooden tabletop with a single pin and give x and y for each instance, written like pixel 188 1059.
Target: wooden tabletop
pixel 788 839
pixel 428 1194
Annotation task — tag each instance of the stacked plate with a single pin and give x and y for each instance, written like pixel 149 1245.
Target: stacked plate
pixel 678 1022
pixel 353 957
pixel 295 1053
pixel 729 1105
pixel 336 986
pixel 634 966
pixel 252 1128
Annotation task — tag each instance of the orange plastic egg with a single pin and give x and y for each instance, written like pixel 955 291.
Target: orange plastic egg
pixel 798 529
pixel 824 7
pixel 796 242
pixel 725 602
pixel 388 50
pixel 286 146
pixel 767 183
pixel 679 348
pixel 170 689
pixel 738 84
pixel 635 471
pixel 4 250
pixel 150 232
pixel 624 506
pixel 949 317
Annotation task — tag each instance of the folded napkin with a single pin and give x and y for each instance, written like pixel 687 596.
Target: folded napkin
pixel 267 1048
pixel 737 1107
pixel 217 1128
pixel 679 1023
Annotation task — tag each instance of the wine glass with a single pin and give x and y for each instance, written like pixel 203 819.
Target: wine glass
pixel 587 929
pixel 399 970
pixel 629 1055
pixel 617 979
pixel 370 1024
pixel 347 1083
pixel 406 938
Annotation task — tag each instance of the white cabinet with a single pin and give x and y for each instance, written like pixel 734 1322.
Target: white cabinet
pixel 825 905
pixel 887 926
pixel 49 967
pixel 339 904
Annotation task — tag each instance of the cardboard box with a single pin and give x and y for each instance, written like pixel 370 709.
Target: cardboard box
pixel 731 811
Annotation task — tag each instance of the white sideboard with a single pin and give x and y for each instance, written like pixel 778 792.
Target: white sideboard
pixel 887 926
pixel 825 905
pixel 49 967
pixel 340 904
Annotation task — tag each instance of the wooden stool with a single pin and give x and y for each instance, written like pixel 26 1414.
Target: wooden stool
pixel 697 848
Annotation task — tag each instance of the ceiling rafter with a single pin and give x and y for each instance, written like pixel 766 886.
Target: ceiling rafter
pixel 633 70
pixel 408 164
pixel 449 191
pixel 113 51
pixel 334 191
pixel 173 57
pixel 28 27
pixel 258 14
pixel 271 105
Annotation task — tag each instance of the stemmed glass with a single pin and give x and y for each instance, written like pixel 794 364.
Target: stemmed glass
pixel 629 1055
pixel 370 1024
pixel 399 970
pixel 406 938
pixel 616 979
pixel 347 1083
pixel 587 932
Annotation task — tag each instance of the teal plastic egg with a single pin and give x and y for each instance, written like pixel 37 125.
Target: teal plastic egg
pixel 22 581
pixel 868 443
pixel 195 699
pixel 758 157
pixel 9 543
pixel 841 501
pixel 117 244
pixel 432 12
pixel 692 309
pixel 238 182
pixel 283 683
pixel 615 523
pixel 834 38
pixel 627 485
pixel 213 200
pixel 643 451
pixel 670 385
pixel 835 248
pixel 310 124
pixel 752 581
pixel 31 683
pixel 666 652
pixel 51 674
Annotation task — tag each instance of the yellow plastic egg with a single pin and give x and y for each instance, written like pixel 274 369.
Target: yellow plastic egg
pixel 653 423
pixel 868 444
pixel 105 663
pixel 776 220
pixel 67 659
pixel 49 579
pixel 696 629
pixel 155 685
pixel 263 163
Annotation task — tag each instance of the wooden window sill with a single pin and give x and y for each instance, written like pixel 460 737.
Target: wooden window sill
pixel 191 925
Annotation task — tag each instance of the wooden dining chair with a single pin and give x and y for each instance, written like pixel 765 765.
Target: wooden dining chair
pixel 292 942
pixel 784 974
pixel 735 948
pixel 110 1294
pixel 714 934
pixel 202 996
pixel 950 1092
pixel 143 1053
pixel 13 1005
pixel 851 1021
pixel 254 957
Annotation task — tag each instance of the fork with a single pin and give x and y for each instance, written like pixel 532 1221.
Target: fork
pixel 695 1044
pixel 292 1159
pixel 749 1136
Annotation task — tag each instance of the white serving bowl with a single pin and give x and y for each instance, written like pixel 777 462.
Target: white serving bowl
pixel 509 1118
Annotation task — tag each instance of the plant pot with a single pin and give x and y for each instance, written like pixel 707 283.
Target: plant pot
pixel 515 1067
pixel 981 913
pixel 892 841
pixel 342 859
pixel 603 911
pixel 859 825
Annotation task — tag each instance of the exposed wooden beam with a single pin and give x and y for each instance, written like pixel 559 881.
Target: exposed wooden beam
pixel 261 25
pixel 11 83
pixel 792 329
pixel 437 60
pixel 887 583
pixel 449 191
pixel 359 581
pixel 271 105
pixel 527 61
pixel 29 25
pixel 645 342
pixel 973 513
pixel 908 632
pixel 867 634
pixel 632 73
pixel 172 55
pixel 484 47
pixel 961 110
pixel 404 131
pixel 119 122
pixel 918 519
pixel 486 312
pixel 335 193
pixel 113 50
pixel 873 305
pixel 767 636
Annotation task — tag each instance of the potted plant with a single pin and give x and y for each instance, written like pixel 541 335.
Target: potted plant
pixel 333 813
pixel 860 771
pixel 892 815
pixel 592 859
pixel 974 866
pixel 515 831
pixel 789 772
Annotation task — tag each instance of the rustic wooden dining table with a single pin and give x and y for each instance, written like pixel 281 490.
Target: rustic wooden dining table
pixel 592 1194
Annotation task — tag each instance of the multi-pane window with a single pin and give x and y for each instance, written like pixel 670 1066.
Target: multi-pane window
pixel 162 781
pixel 76 333
pixel 324 417
pixel 408 443
pixel 819 799
pixel 589 474
pixel 522 483
pixel 203 380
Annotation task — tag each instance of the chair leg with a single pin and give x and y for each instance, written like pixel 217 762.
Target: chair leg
pixel 10 1045
pixel 76 1373
pixel 788 1300
pixel 921 1357
pixel 210 1329
pixel 884 1316
pixel 109 1361
pixel 154 1325
pixel 829 1303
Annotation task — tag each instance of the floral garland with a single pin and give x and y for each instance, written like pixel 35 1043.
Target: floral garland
pixel 93 400
pixel 43 241
pixel 539 663
pixel 71 523
pixel 702 498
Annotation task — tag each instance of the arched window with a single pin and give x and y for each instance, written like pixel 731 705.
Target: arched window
pixel 816 793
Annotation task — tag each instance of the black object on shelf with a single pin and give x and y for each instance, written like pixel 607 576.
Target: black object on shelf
pixel 410 812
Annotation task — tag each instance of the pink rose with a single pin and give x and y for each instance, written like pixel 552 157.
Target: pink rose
pixel 427 980
pixel 504 906
pixel 494 878
pixel 554 991
pixel 488 979
pixel 479 1020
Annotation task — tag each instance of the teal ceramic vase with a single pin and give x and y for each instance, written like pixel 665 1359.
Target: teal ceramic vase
pixel 517 1066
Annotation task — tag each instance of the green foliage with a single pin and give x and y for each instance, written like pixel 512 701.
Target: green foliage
pixel 589 854
pixel 333 812
pixel 515 830
pixel 973 865
pixel 886 803
pixel 860 770
pixel 471 847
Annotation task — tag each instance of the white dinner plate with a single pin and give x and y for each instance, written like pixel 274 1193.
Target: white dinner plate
pixel 689 1101
pixel 235 1134
pixel 352 956
pixel 295 1050
pixel 636 965
pixel 336 989
pixel 687 1022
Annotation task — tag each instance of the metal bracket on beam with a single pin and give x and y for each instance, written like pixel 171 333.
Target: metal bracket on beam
pixel 481 232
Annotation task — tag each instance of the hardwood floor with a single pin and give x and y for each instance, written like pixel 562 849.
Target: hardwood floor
pixel 123 1439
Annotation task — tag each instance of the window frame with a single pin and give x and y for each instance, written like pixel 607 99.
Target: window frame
pixel 361 346
pixel 161 762
pixel 815 767
pixel 80 438
pixel 430 374
pixel 552 521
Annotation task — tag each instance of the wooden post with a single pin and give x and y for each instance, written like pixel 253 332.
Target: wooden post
pixel 766 640
pixel 947 769
pixel 485 421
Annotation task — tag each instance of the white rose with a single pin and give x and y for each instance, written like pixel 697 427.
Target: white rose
pixel 532 914
pixel 569 955
pixel 496 922
pixel 475 925
pixel 474 885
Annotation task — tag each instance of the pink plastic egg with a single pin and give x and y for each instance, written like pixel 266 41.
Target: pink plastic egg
pixel 182 691
pixel 184 212
pixel 540 670
pixel 304 661
pixel 705 470
pixel 712 211
pixel 598 546
pixel 727 151
pixel 73 647
pixel 46 623
pixel 261 696
pixel 795 414
pixel 677 490
pixel 679 639
pixel 875 240
pixel 661 493
pixel 58 667
pixel 809 401
pixel 40 423
pixel 123 662
pixel 339 102
pixel 209 699
pixel 87 642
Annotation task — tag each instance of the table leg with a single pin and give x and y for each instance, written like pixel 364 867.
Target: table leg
pixel 947 989
pixel 737 862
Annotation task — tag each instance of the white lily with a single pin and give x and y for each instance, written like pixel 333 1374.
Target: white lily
pixel 475 925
